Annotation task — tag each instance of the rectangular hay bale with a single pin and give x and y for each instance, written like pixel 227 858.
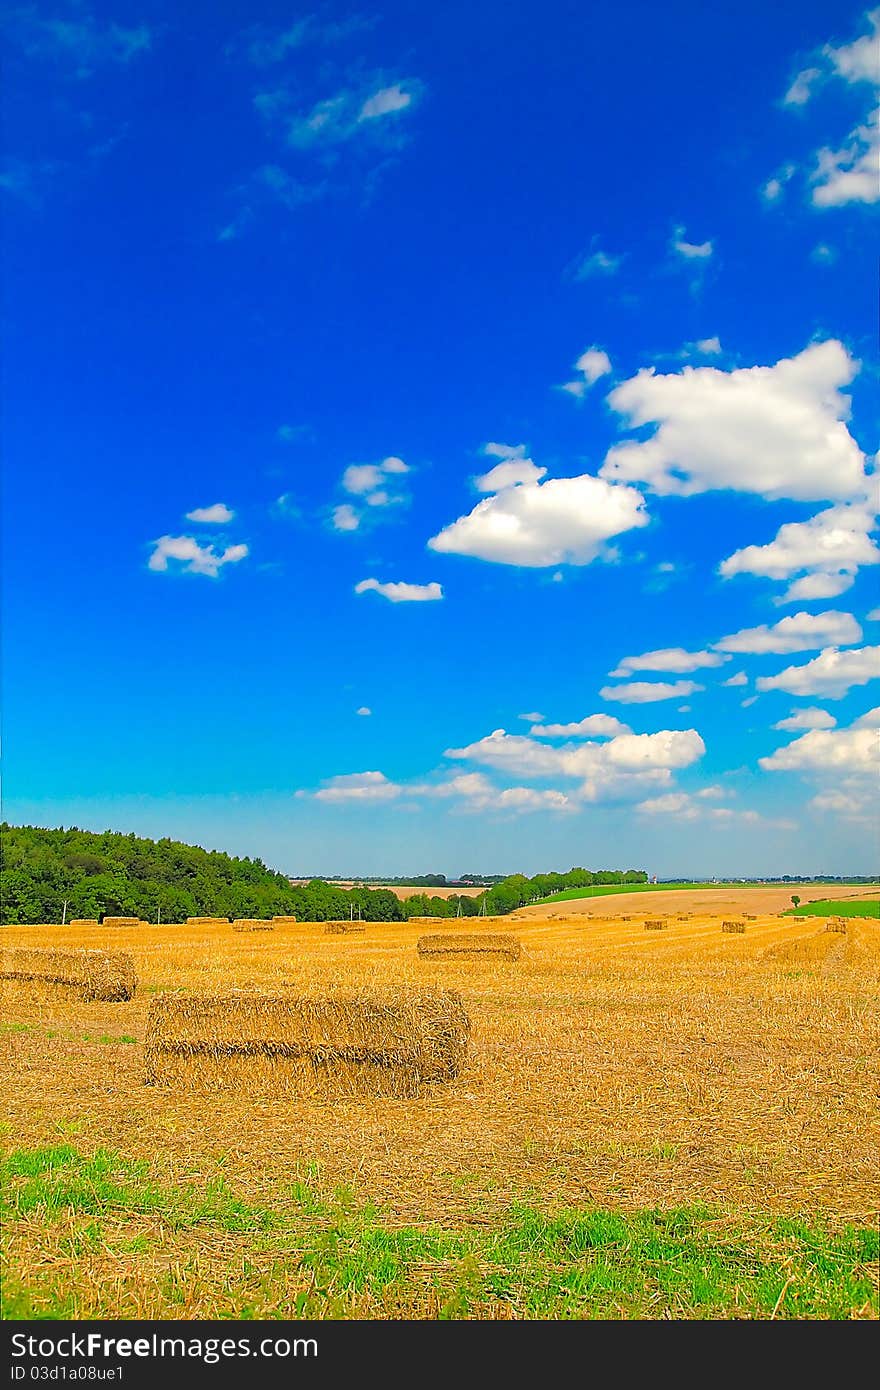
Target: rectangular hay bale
pixel 390 1044
pixel 105 976
pixel 123 922
pixel 343 928
pixel 445 944
pixel 283 920
pixel 733 926
pixel 252 924
pixel 655 924
pixel 207 921
pixel 836 924
pixel 83 922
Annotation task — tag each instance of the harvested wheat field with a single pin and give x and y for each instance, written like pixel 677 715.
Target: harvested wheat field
pixel 642 1124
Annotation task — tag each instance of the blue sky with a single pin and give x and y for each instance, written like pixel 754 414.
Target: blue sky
pixel 444 440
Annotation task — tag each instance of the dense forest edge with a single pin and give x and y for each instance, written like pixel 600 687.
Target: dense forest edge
pixel 57 875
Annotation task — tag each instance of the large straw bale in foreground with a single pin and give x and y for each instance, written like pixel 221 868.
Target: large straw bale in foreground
pixel 442 945
pixel 338 928
pixel 387 1045
pixel 734 925
pixel 252 924
pixel 108 976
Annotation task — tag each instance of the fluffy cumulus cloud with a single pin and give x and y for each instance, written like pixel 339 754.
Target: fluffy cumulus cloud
pixel 375 485
pixel 648 692
pixel 358 787
pixel 683 806
pixel 535 523
pixel 819 557
pixel 802 632
pixel 740 678
pixel 668 659
pixel 592 726
pixel 217 514
pixel 831 674
pixel 775 431
pixel 845 172
pixel 591 365
pixel 853 750
pixel 185 555
pixel 401 592
pixel 810 718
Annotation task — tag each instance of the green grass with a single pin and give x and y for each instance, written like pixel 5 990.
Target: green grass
pixel 851 907
pixel 322 1254
pixel 605 889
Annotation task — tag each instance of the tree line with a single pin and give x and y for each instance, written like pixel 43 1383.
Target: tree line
pixel 47 875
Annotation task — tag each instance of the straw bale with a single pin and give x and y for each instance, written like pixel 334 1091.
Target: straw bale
pixel 123 922
pixel 655 924
pixel 284 920
pixel 207 921
pixel 108 976
pixel 836 924
pixel 469 944
pixel 83 922
pixel 733 926
pixel 252 924
pixel 338 928
pixel 389 1044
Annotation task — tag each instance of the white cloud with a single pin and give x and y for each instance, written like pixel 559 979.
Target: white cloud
pixel 831 674
pixel 193 558
pixel 592 364
pixel 401 592
pixel 364 711
pixel 689 250
pixel 668 659
pixel 827 750
pixel 826 552
pixel 594 725
pixel 873 616
pixel 802 632
pixel 539 524
pixel 739 679
pixel 683 806
pixel 509 474
pixel 534 718
pixel 596 262
pixel 775 431
pixel 870 720
pixel 750 701
pixel 823 254
pixel 647 692
pixel 358 786
pixel 218 514
pixel 801 88
pixel 360 479
pixel 847 174
pixel 811 718
pixel 385 102
pixel 856 805
pixel 345 518
pixel 626 762
pixel 710 347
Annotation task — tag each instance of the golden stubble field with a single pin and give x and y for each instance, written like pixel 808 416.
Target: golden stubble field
pixel 609 1066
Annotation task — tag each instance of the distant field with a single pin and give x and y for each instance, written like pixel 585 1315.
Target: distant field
pixel 826 907
pixel 600 892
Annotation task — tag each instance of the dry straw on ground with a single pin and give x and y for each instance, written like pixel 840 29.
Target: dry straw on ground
pixel 108 976
pixel 343 928
pixel 387 1045
pixel 252 924
pixel 123 922
pixel 655 924
pixel 733 926
pixel 443 944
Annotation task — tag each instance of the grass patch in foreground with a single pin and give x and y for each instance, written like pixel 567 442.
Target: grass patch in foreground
pixel 850 907
pixel 72 1222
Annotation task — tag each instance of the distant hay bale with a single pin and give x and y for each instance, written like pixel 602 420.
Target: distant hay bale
pixel 420 921
pixel 281 919
pixel 443 944
pixel 252 924
pixel 207 921
pixel 836 924
pixel 656 924
pixel 387 1045
pixel 83 922
pixel 733 926
pixel 105 976
pixel 123 922
pixel 343 928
